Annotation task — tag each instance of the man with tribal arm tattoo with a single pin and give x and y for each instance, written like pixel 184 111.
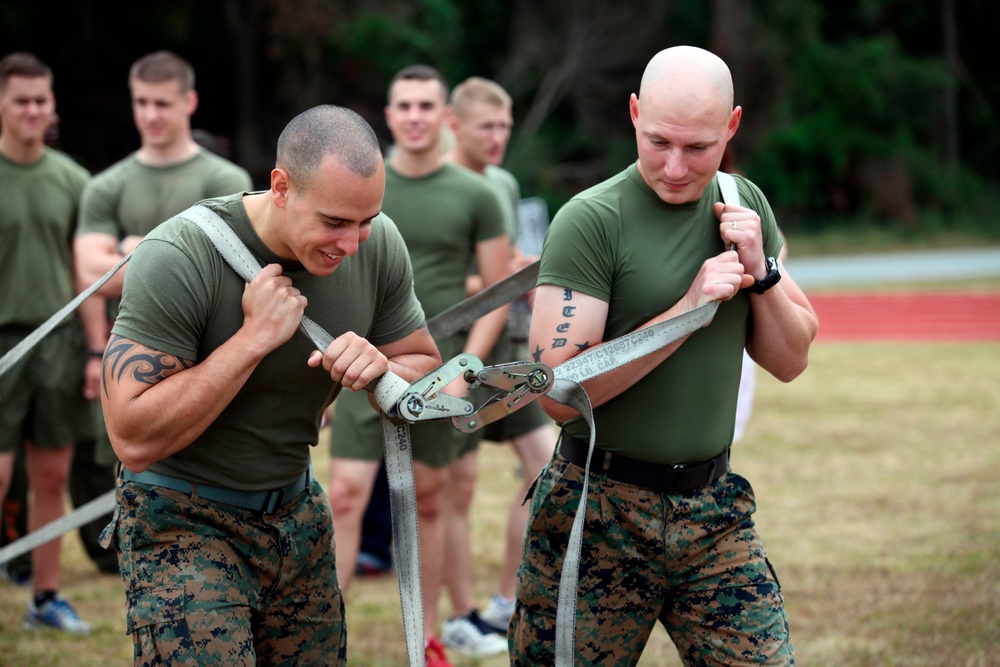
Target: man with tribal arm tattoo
pixel 212 403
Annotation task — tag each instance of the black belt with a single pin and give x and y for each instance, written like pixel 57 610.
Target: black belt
pixel 673 479
pixel 259 501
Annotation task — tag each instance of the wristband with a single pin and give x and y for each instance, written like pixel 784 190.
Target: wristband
pixel 94 354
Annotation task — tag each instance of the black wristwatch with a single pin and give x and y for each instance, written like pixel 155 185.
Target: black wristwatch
pixel 768 281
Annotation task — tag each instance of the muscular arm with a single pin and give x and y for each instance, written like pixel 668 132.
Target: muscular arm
pixel 492 258
pixel 156 404
pixel 566 322
pixel 413 356
pixel 783 323
pixel 783 326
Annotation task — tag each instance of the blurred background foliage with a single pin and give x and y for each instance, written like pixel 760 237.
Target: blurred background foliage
pixel 856 112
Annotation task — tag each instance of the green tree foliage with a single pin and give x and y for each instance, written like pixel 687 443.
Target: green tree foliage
pixel 876 109
pixel 858 128
pixel 860 118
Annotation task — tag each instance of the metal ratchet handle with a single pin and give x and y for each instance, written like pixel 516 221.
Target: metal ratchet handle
pixel 518 384
pixel 424 401
pixel 512 376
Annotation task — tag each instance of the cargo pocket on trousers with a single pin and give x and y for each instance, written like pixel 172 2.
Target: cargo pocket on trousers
pixel 533 625
pixel 155 606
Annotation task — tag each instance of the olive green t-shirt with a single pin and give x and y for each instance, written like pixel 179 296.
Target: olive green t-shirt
pixel 38 210
pixel 130 197
pixel 442 216
pixel 510 197
pixel 181 298
pixel 619 242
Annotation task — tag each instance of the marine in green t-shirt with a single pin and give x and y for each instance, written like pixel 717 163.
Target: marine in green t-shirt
pixel 613 242
pixel 42 409
pixel 664 510
pixel 120 205
pixel 37 219
pixel 448 218
pixel 213 398
pixel 168 173
pixel 481 119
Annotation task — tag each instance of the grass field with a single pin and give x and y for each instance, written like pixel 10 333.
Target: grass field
pixel 876 475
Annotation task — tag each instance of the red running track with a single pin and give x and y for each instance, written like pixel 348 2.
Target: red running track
pixel 963 316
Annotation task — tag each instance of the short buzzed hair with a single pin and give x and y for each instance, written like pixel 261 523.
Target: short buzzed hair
pixel 477 90
pixel 419 73
pixel 322 131
pixel 22 63
pixel 162 66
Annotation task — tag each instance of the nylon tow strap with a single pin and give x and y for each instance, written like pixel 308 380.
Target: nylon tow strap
pixel 567 389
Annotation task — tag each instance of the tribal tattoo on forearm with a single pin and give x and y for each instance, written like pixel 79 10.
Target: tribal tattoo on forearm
pixel 146 366
pixel 568 312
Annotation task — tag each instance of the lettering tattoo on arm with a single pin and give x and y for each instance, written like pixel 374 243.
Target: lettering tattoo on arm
pixel 145 366
pixel 568 312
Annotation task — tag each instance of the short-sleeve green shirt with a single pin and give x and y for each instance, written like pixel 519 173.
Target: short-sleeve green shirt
pixel 38 210
pixel 510 197
pixel 442 216
pixel 130 197
pixel 619 242
pixel 181 298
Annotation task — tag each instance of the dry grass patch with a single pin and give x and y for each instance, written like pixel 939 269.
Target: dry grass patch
pixel 875 475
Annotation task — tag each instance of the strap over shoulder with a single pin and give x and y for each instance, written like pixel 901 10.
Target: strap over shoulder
pixel 730 194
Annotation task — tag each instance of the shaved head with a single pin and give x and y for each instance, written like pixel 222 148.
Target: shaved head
pixel 327 131
pixel 683 118
pixel 689 78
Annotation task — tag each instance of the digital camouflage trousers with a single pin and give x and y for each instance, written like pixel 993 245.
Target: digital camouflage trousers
pixel 694 562
pixel 212 584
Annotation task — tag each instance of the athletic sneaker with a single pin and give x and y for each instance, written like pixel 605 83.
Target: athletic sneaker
pixel 497 614
pixel 470 636
pixel 434 655
pixel 57 614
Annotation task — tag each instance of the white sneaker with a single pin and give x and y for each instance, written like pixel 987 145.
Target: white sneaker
pixel 497 614
pixel 470 636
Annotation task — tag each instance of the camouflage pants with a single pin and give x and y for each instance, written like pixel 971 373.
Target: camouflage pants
pixel 212 584
pixel 693 561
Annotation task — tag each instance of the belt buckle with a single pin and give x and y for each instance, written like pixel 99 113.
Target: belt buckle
pixel 273 500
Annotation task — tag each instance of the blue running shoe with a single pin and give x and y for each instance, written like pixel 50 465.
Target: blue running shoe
pixel 57 614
